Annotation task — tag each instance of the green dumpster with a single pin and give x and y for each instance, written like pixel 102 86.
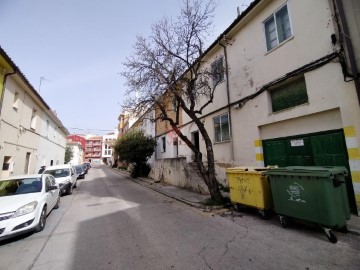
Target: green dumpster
pixel 313 194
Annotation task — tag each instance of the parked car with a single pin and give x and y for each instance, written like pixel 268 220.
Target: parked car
pixel 88 164
pixel 80 170
pixel 86 168
pixel 65 176
pixel 25 202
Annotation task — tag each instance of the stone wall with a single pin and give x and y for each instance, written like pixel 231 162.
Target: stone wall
pixel 177 172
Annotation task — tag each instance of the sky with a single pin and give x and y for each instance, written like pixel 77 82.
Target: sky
pixel 72 51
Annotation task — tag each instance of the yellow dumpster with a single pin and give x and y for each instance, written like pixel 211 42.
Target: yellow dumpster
pixel 250 187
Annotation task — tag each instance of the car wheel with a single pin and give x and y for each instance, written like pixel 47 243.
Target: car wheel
pixel 75 185
pixel 42 220
pixel 70 190
pixel 57 205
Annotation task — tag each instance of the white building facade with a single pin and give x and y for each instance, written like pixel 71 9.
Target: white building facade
pixel 77 153
pixel 31 135
pixel 284 98
pixel 108 147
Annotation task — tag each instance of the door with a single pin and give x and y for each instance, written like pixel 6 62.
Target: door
pixel 299 152
pixel 195 141
pixel 330 150
pixel 320 149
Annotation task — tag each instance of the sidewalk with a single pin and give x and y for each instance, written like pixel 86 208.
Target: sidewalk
pixel 185 196
pixel 197 200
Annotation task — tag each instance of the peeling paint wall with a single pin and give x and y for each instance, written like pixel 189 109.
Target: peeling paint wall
pixel 176 172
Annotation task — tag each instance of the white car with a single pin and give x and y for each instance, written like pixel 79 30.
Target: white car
pixel 65 175
pixel 25 202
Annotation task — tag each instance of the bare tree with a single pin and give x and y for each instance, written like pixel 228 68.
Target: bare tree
pixel 168 66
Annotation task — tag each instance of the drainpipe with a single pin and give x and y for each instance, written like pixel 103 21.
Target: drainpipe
pixel 228 96
pixel 349 47
pixel 3 89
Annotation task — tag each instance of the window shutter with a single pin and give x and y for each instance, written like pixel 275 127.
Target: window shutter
pixel 289 95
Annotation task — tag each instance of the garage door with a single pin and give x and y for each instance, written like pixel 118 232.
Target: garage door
pixel 320 149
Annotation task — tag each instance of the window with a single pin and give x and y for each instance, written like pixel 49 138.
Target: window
pixel 27 163
pixel 289 95
pixel 33 120
pixel 47 183
pixel 16 101
pixel 277 28
pixel 163 144
pixel 6 163
pixel 47 128
pixel 217 71
pixel 221 126
pixel 52 180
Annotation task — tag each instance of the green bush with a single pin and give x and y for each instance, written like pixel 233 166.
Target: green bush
pixel 135 148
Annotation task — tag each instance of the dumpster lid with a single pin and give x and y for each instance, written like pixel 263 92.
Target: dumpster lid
pixel 320 171
pixel 248 169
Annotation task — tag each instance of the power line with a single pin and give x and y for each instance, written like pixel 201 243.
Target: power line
pixel 93 129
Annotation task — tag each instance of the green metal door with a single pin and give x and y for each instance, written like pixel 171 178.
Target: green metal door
pixel 330 150
pixel 299 151
pixel 276 153
pixel 288 152
pixel 322 149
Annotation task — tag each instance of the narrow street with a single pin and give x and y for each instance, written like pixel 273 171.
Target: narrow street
pixel 112 223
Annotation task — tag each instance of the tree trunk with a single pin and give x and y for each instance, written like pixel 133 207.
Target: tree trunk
pixel 212 182
pixel 208 174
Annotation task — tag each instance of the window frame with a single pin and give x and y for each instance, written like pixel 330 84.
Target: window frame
pixel 47 128
pixel 16 101
pixel 214 68
pixel 33 120
pixel 285 85
pixel 163 144
pixel 273 16
pixel 221 131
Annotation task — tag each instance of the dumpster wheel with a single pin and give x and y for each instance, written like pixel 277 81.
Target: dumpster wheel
pixel 283 221
pixel 264 214
pixel 330 235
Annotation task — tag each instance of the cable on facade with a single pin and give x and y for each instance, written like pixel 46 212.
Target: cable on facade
pixel 297 72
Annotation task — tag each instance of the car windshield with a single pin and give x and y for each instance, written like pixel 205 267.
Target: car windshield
pixel 78 169
pixel 20 186
pixel 58 172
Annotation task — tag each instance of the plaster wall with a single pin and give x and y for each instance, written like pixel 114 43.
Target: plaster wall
pixel 176 172
pixel 17 137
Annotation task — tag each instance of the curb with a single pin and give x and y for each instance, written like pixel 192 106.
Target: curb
pixel 143 183
pixel 149 186
pixel 354 231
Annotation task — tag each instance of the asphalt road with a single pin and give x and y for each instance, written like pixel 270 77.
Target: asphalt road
pixel 113 223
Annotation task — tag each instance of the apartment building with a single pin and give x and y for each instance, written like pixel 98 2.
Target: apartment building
pixel 31 134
